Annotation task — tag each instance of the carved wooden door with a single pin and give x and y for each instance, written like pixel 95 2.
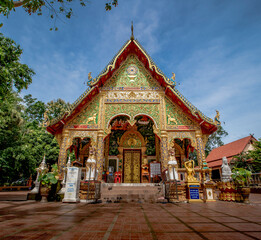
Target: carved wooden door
pixel 131 166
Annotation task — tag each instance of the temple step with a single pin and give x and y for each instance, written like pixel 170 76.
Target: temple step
pixel 14 196
pixel 132 192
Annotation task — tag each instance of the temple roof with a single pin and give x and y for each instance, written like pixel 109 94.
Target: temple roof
pixel 214 159
pixel 133 47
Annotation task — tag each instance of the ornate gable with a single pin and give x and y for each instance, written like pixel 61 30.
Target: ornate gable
pixel 132 74
pixel 131 80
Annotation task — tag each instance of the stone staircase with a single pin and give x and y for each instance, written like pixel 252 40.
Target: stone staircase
pixel 132 192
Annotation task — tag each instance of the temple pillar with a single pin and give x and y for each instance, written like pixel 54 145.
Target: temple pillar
pixel 200 151
pixel 164 146
pixel 100 154
pixel 157 146
pixel 64 144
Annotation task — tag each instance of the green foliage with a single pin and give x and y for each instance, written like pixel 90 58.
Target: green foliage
pixel 241 176
pixel 56 8
pixel 148 134
pixel 110 4
pixel 215 140
pixel 49 178
pixel 23 141
pixel 34 109
pixel 255 156
pixel 241 161
pixel 56 107
pixel 12 72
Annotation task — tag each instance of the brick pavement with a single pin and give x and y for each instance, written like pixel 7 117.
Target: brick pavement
pixel 218 220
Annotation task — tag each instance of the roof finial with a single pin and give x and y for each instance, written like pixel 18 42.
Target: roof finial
pixel 132 36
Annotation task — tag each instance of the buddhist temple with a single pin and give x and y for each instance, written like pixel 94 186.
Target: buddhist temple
pixel 132 114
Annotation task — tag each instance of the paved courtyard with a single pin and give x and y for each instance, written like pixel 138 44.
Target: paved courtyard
pixel 218 220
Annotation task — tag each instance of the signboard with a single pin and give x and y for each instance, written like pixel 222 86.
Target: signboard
pixel 72 186
pixel 194 193
pixel 155 169
pixel 210 194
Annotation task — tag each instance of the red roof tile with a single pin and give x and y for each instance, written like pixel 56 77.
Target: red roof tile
pixel 214 159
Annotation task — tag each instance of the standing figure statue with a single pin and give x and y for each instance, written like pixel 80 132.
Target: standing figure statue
pixel 65 170
pixel 172 165
pixel 90 164
pixel 41 169
pixel 216 119
pixel 46 120
pixel 226 171
pixel 189 165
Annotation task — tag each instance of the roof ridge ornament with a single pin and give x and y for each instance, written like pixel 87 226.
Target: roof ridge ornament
pixel 216 119
pixel 132 35
pixel 90 79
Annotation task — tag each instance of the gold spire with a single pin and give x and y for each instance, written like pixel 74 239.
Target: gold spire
pixel 132 36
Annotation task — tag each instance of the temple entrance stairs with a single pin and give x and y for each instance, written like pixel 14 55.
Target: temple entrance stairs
pixel 132 192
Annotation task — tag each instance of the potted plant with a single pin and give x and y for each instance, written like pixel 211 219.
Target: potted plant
pixel 241 178
pixel 47 179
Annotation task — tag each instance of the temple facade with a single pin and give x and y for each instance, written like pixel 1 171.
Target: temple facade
pixel 132 114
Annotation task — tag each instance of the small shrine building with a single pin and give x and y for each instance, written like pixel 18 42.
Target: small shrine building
pixel 132 114
pixel 229 150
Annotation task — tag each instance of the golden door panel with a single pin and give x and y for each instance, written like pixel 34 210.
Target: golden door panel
pixel 132 166
pixel 136 167
pixel 127 166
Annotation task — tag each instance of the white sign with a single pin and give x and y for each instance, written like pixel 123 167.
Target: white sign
pixel 72 185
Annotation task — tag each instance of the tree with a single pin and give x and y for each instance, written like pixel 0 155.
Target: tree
pixel 241 161
pixel 56 8
pixel 23 140
pixel 56 107
pixel 215 140
pixel 10 134
pixel 34 109
pixel 255 155
pixel 12 72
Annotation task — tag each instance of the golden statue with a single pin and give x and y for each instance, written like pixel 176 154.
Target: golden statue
pixel 189 165
pixel 173 76
pixel 216 119
pixel 173 79
pixel 46 121
pixel 90 76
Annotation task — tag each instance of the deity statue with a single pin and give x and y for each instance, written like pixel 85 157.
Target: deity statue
pixel 65 170
pixel 41 169
pixel 173 76
pixel 172 165
pixel 46 121
pixel 173 79
pixel 216 119
pixel 226 171
pixel 90 76
pixel 91 164
pixel 189 165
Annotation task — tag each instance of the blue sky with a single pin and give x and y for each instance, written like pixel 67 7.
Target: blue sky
pixel 214 47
